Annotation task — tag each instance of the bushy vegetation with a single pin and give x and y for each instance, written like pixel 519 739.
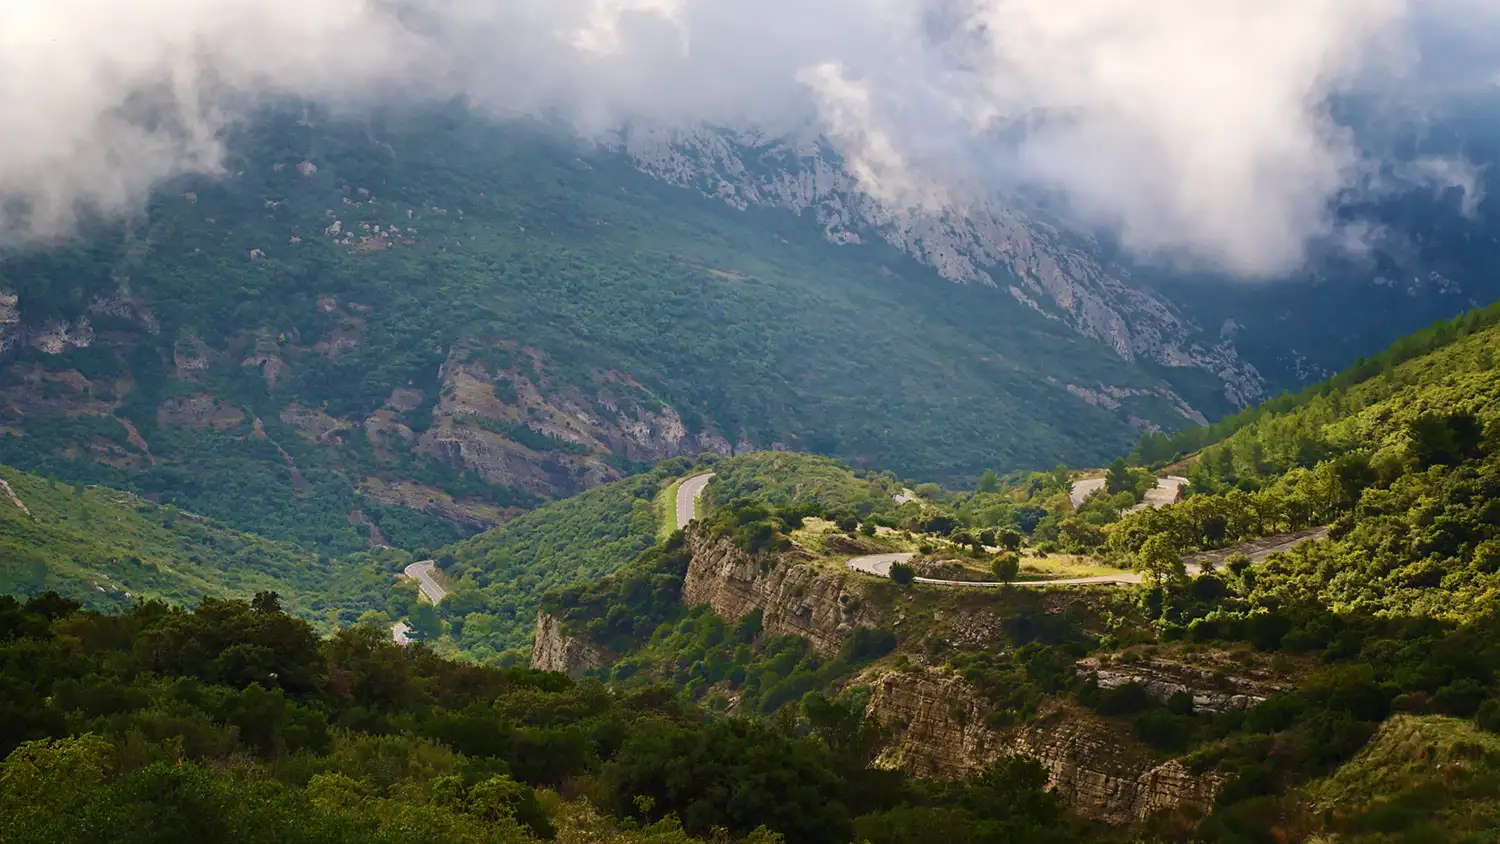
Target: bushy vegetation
pixel 501 575
pixel 1159 448
pixel 109 549
pixel 236 723
pixel 786 480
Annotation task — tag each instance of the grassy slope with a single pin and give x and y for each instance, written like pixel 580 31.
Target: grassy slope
pixel 109 548
pixel 1420 779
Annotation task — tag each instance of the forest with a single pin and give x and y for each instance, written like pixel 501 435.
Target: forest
pixel 236 722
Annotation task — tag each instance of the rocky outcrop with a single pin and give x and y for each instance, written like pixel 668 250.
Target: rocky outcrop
pixel 938 727
pixel 552 649
pixel 1000 242
pixel 1218 688
pixel 794 597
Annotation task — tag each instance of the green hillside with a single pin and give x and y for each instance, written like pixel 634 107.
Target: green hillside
pixel 1427 778
pixel 109 549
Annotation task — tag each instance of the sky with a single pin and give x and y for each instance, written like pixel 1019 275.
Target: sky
pixel 1196 131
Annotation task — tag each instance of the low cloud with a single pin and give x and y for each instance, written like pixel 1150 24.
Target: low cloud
pixel 1197 130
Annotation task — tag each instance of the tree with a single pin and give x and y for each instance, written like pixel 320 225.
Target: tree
pixel 425 621
pixel 989 481
pixel 1160 561
pixel 1119 480
pixel 1010 540
pixel 1006 567
pixel 903 574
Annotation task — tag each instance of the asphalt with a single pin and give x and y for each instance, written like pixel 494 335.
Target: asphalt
pixel 688 493
pixel 422 574
pixel 1164 493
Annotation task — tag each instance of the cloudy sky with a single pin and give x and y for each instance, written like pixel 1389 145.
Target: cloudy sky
pixel 1195 129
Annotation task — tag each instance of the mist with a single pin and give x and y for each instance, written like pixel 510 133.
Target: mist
pixel 1196 131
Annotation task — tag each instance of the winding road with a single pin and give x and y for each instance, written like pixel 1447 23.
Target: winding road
pixel 1258 550
pixel 421 572
pixel 688 493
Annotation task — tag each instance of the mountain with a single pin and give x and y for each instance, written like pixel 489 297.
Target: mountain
pixel 405 330
pixel 1423 252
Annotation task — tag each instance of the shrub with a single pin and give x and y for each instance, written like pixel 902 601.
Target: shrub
pixel 1488 717
pixel 903 574
pixel 1006 568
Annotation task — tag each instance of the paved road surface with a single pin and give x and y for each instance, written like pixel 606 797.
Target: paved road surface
pixel 422 574
pixel 688 493
pixel 1165 492
pixel 1083 489
pixel 880 564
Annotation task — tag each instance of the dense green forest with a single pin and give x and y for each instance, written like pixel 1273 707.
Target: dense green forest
pixel 236 723
pixel 500 575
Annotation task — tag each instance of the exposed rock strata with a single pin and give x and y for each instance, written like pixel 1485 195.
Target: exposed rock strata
pixel 938 723
pixel 554 650
pixel 1213 689
pixel 794 597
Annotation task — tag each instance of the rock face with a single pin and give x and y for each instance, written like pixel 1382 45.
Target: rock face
pixel 938 724
pixel 554 650
pixel 1042 264
pixel 1213 689
pixel 795 598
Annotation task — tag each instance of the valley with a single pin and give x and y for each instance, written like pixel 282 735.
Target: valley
pixel 431 476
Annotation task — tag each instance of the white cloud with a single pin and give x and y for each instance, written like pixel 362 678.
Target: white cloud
pixel 1197 129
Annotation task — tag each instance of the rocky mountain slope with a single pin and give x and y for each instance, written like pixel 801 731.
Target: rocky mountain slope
pixel 1049 268
pixel 1427 257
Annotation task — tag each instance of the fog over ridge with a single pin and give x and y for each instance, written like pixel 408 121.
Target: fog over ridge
pixel 1197 130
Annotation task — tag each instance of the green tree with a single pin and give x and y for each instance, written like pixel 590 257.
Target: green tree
pixel 989 481
pixel 1160 561
pixel 1006 567
pixel 903 574
pixel 1119 479
pixel 426 622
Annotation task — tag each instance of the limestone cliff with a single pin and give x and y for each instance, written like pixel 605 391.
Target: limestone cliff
pixel 552 649
pixel 1217 687
pixel 795 597
pixel 938 726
